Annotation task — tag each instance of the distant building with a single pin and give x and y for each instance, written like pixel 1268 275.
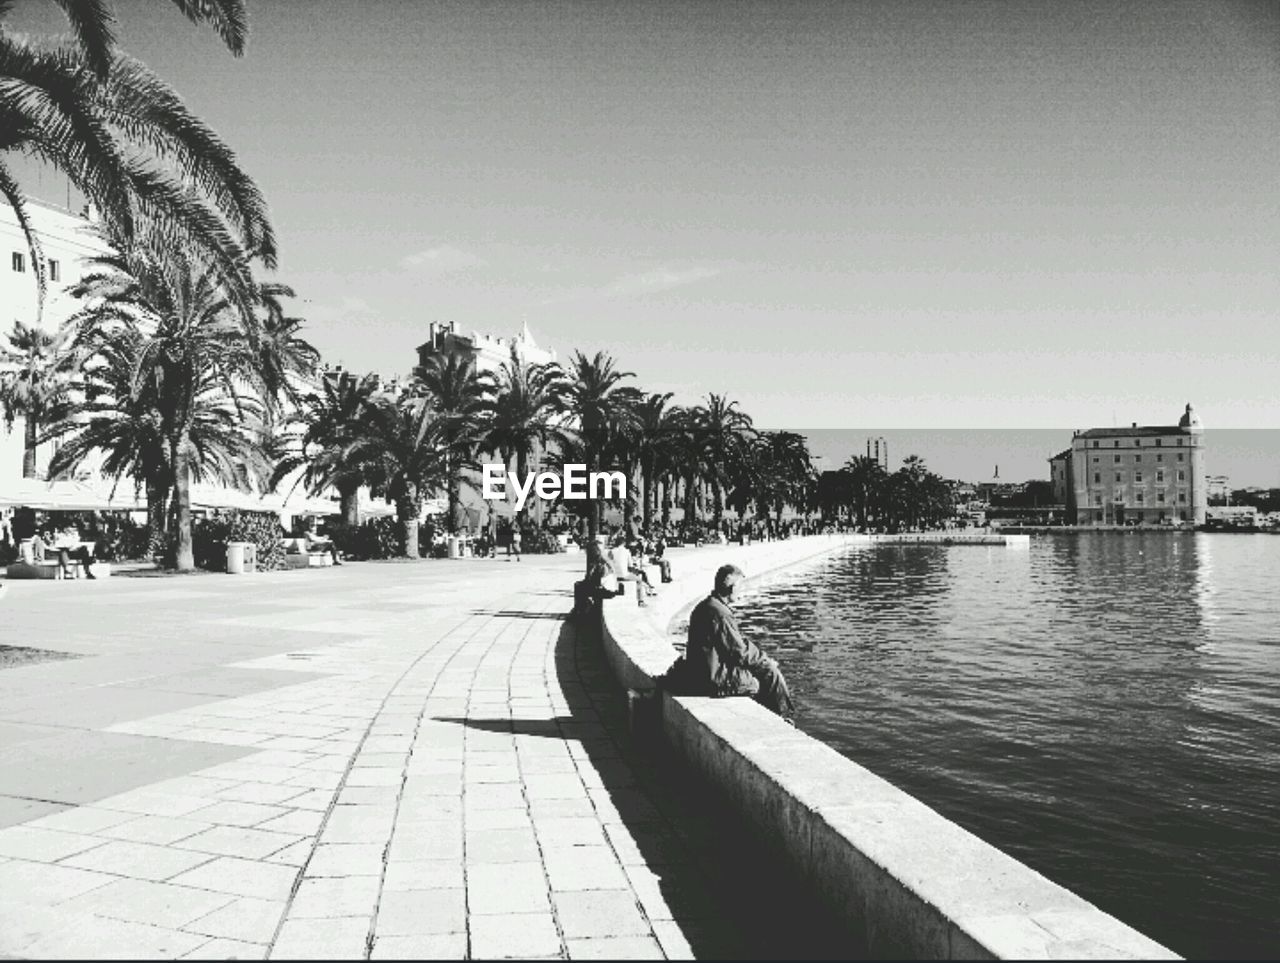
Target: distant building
pixel 1143 474
pixel 489 352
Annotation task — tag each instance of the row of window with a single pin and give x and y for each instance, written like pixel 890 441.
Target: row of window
pixel 1181 515
pixel 1118 496
pixel 19 263
pixel 1137 458
pixel 1137 476
pixel 1137 443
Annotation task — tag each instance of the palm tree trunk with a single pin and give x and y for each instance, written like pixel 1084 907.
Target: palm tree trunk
pixel 184 554
pixel 29 449
pixel 349 500
pixel 157 505
pixel 407 508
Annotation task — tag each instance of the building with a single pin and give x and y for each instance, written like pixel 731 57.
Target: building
pixel 68 241
pixel 488 351
pixel 1143 474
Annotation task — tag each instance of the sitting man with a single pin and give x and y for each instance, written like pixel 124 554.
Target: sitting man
pixel 68 545
pixel 657 556
pixel 721 662
pixel 317 541
pixel 600 583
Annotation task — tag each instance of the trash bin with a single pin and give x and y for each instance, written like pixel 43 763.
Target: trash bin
pixel 242 557
pixel 455 547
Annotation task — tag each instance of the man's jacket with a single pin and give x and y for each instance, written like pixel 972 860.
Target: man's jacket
pixel 720 659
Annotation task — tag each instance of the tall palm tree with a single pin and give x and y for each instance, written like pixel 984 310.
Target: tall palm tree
pixel 725 429
pixel 403 448
pixel 286 362
pixel 525 404
pixel 196 364
pixel 35 369
pixel 461 397
pixel 127 141
pixel 601 408
pixel 655 436
pixel 331 421
pixel 867 481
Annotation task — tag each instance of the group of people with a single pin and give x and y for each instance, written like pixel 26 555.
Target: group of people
pixel 68 546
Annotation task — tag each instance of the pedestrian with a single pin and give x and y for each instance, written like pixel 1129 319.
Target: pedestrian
pixel 723 662
pixel 514 544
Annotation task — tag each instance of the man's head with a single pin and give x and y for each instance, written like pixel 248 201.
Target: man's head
pixel 727 579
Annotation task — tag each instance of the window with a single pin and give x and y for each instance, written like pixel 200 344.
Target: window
pixel 1160 497
pixel 19 262
pixel 1159 457
pixel 1097 478
pixel 1137 476
pixel 1139 498
pixel 1160 474
pixel 1116 445
pixel 1097 500
pixel 1137 458
pixel 1119 478
pixel 55 270
pixel 1117 459
pixel 1137 443
pixel 1119 495
pixel 1182 515
pixel 1095 459
pixel 1095 444
pixel 1179 456
pixel 1157 445
pixel 1099 516
pixel 1182 475
pixel 1179 442
pixel 1182 498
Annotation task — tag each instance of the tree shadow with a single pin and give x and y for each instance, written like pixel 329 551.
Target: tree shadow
pixel 718 887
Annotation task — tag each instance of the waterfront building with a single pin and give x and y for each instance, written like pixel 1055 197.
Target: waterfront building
pixel 489 352
pixel 1143 474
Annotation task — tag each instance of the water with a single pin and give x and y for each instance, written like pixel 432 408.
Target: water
pixel 1106 708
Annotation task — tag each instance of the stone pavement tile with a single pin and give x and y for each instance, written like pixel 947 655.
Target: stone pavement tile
pixel 336 762
pixel 514 936
pixel 221 949
pixel 247 920
pixel 245 772
pixel 81 819
pixel 399 745
pixel 238 841
pixel 297 743
pixel 346 859
pixel 310 778
pixel 157 830
pixel 419 874
pixel 260 792
pixel 435 839
pixel 442 784
pixel 144 901
pixel 431 807
pixel 297 822
pixel 242 877
pixel 368 795
pixel 493 796
pixel 113 939
pixel 376 777
pixel 548 765
pixel 584 868
pixel 502 846
pixel 560 831
pixel 332 939
pixel 480 819
pixel 448 946
pixel 294 855
pixel 605 912
pixel 616 948
pixel 21 881
pixel 507 888
pixel 379 760
pixel 137 860
pixel 227 813
pixel 328 897
pixel 316 800
pixel 422 912
pixel 359 824
pixel 278 758
pixel 420 765
pixel 554 808
pixel 43 845
pixel 477 773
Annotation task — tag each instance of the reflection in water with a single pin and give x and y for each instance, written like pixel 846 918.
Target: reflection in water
pixel 1105 707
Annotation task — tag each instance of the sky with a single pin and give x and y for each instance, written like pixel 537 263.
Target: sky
pixel 840 214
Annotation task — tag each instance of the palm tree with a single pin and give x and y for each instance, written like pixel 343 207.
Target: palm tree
pixel 461 397
pixel 601 409
pixel 404 451
pixel 195 364
pixel 127 141
pixel 655 437
pixel 725 428
pixel 331 420
pixel 35 370
pixel 525 404
pixel 286 362
pixel 788 471
pixel 867 480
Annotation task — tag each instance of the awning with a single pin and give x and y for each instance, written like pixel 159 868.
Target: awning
pixel 71 496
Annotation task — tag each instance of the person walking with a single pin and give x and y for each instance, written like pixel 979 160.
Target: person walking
pixel 514 544
pixel 722 661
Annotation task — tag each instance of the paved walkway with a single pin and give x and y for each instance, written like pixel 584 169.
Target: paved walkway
pixel 387 760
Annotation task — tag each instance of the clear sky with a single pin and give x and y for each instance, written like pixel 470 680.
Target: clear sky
pixel 908 215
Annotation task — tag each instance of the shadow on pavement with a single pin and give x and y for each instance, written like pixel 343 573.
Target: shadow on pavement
pixel 716 885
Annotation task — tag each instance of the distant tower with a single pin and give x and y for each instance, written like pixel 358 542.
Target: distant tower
pixel 1190 423
pixel 997 478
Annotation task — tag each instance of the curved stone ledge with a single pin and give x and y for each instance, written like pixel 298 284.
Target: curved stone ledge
pixel 906 880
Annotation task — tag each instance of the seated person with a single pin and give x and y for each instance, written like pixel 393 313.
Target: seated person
pixel 68 545
pixel 600 583
pixel 721 661
pixel 319 542
pixel 657 552
pixel 636 567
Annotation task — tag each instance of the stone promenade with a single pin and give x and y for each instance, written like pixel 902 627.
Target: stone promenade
pixel 385 760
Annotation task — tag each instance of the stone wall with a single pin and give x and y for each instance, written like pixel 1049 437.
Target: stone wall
pixel 907 881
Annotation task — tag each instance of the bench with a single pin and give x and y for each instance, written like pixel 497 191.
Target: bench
pixel 51 569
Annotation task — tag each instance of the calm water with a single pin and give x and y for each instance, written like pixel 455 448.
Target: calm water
pixel 1105 707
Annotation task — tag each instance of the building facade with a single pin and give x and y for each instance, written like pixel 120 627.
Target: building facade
pixel 1143 474
pixel 488 352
